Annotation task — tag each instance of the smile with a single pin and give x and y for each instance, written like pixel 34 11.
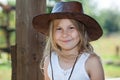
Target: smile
pixel 66 41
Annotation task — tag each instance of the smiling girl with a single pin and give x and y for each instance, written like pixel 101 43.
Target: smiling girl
pixel 68 54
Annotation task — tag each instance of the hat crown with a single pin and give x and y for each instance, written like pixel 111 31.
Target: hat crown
pixel 71 7
pixel 68 10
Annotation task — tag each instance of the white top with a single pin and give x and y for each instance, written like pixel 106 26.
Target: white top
pixel 79 72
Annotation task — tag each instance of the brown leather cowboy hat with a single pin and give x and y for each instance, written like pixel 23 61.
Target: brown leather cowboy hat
pixel 70 10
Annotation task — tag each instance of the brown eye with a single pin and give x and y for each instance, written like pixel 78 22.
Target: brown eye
pixel 58 28
pixel 72 28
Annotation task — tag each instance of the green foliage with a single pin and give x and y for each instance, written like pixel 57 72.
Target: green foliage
pixel 7 19
pixel 111 21
pixel 12 2
pixel 49 9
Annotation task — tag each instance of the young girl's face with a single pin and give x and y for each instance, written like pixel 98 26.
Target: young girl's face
pixel 66 35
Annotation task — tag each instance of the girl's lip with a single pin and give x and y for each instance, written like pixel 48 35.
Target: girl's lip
pixel 66 40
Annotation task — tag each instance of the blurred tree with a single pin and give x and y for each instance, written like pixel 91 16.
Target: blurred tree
pixel 110 21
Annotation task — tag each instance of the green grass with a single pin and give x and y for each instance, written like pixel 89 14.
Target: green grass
pixel 5 71
pixel 112 70
pixel 5 68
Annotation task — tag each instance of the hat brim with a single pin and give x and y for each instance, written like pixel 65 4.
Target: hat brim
pixel 41 23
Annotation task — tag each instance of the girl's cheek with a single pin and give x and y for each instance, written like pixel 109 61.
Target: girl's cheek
pixel 57 34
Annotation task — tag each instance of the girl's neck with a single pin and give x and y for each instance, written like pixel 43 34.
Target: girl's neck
pixel 67 59
pixel 71 54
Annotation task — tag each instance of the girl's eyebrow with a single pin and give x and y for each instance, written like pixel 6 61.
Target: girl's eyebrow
pixel 68 25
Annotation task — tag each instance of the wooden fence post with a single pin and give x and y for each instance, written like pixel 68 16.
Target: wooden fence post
pixel 14 62
pixel 29 42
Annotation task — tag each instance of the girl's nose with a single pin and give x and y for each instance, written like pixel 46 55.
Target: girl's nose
pixel 65 33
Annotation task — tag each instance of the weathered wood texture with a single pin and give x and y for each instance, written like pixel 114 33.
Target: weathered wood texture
pixel 29 42
pixel 14 62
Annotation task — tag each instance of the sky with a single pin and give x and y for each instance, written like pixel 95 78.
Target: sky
pixel 107 4
pixel 3 1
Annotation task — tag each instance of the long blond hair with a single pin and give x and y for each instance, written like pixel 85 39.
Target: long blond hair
pixel 83 45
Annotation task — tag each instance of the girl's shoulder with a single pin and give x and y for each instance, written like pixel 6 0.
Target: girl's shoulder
pixel 94 56
pixel 94 67
pixel 93 59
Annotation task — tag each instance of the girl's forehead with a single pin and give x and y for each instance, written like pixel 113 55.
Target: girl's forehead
pixel 56 22
pixel 59 20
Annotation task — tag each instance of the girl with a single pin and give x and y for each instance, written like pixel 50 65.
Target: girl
pixel 68 54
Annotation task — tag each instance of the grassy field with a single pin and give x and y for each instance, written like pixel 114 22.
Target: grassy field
pixel 104 47
pixel 5 68
pixel 5 71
